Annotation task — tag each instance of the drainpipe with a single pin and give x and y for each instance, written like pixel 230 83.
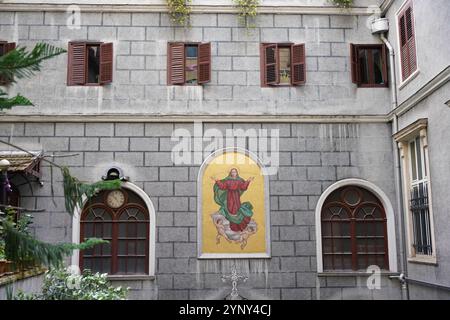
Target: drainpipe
pixel 397 174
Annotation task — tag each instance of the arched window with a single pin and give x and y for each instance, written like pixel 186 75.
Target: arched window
pixel 122 218
pixel 354 230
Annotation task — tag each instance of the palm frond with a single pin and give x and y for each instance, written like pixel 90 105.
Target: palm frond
pixel 21 63
pixel 8 103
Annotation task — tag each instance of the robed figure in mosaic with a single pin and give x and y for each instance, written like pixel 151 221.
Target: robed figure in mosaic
pixel 234 218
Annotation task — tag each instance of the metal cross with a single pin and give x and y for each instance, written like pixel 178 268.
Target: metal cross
pixel 234 278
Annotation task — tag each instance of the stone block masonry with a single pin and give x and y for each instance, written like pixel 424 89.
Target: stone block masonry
pixel 310 165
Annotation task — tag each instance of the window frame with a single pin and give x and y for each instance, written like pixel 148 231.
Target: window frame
pixel 169 63
pixel 279 45
pixel 353 222
pixel 404 137
pixel 400 12
pixel 114 242
pixel 370 63
pixel 88 44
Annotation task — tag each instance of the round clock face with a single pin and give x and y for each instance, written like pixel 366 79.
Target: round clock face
pixel 115 199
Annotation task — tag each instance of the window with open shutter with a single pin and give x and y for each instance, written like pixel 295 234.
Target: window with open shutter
pixel 204 63
pixel 106 63
pixel 369 65
pixel 6 47
pixel 175 64
pixel 298 64
pixel 270 64
pixel 76 74
pixel 407 42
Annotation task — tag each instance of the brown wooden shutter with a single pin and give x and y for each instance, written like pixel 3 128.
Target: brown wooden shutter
pixel 106 63
pixel 204 63
pixel 354 63
pixel 298 64
pixel 76 73
pixel 176 63
pixel 7 47
pixel 269 64
pixel 407 42
pixel 10 47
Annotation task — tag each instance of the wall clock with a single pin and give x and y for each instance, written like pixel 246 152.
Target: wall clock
pixel 115 199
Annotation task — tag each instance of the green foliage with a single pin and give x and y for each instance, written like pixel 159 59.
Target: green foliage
pixel 25 251
pixel 180 11
pixel 74 189
pixel 20 63
pixel 59 284
pixel 248 10
pixel 342 3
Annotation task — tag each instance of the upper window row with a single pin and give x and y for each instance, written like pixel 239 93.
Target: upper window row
pixel 282 64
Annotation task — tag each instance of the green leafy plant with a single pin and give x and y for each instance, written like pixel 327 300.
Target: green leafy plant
pixel 342 3
pixel 74 189
pixel 59 284
pixel 248 10
pixel 20 63
pixel 25 251
pixel 180 11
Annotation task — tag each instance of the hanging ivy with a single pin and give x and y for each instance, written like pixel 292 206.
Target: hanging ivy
pixel 74 189
pixel 180 11
pixel 248 10
pixel 342 3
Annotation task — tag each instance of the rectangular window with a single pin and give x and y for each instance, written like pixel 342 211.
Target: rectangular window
pixel 406 33
pixel 188 63
pixel 89 63
pixel 283 64
pixel 6 47
pixel 413 144
pixel 369 65
pixel 419 204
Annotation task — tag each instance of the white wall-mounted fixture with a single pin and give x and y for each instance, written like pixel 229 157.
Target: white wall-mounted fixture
pixel 380 26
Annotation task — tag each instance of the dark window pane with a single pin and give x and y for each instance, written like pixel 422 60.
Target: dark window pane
pixel 141 247
pixel 122 265
pixel 122 230
pixel 106 248
pixel 363 66
pixel 2 48
pixel 140 265
pixel 412 149
pixel 377 66
pixel 131 247
pixel 88 230
pixel 122 247
pixel 106 265
pixel 419 159
pixel 142 230
pixel 93 64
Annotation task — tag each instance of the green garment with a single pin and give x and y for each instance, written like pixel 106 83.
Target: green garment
pixel 220 197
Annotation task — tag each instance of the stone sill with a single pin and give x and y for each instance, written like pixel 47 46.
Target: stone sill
pixel 354 274
pixel 130 278
pixel 6 279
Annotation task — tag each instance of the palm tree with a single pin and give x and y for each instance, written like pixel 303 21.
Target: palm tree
pixel 20 63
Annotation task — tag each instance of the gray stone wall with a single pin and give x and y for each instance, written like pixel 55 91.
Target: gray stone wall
pixel 312 157
pixel 432 50
pixel 140 46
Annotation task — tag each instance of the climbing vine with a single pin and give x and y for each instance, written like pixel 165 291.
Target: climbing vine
pixel 248 10
pixel 180 11
pixel 342 3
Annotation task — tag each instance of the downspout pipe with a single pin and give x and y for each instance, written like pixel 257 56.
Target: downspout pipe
pixel 397 172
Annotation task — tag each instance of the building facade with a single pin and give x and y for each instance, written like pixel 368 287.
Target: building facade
pixel 358 121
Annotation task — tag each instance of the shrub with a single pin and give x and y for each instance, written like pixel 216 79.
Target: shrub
pixel 60 284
